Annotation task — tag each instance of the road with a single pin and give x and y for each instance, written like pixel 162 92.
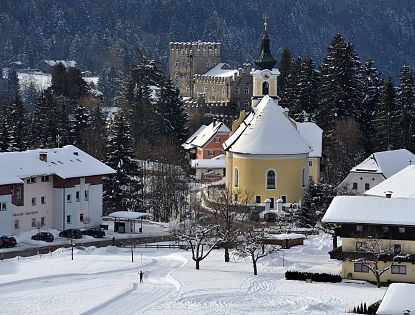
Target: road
pixel 121 242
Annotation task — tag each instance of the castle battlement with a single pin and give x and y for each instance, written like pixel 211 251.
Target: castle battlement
pixel 195 48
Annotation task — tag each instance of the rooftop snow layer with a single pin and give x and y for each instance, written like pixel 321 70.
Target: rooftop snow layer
pixel 204 134
pixel 313 134
pixel 398 298
pixel 216 162
pixel 371 210
pixel 130 215
pixel 401 184
pixel 386 162
pixel 66 63
pixel 221 70
pixel 267 132
pixel 66 162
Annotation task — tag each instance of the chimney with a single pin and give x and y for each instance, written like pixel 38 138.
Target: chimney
pixel 43 156
pixel 214 122
pixel 388 194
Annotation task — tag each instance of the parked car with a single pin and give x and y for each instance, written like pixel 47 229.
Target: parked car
pixel 7 241
pixel 95 232
pixel 43 236
pixel 71 233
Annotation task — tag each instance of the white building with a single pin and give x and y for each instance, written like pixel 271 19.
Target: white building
pixel 212 168
pixel 375 169
pixel 53 188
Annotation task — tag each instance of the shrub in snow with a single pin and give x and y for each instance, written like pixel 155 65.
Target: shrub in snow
pixel 316 277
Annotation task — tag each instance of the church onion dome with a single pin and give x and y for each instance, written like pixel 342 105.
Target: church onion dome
pixel 265 59
pixel 267 132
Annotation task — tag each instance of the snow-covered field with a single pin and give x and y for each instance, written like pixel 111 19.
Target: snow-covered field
pixel 105 281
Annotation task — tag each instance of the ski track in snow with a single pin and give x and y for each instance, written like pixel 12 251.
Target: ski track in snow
pixel 158 285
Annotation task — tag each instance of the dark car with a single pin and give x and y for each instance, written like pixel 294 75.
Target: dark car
pixel 71 233
pixel 43 236
pixel 7 241
pixel 95 232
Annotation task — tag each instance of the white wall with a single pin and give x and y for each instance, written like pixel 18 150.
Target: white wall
pixel 95 204
pixel 361 179
pixel 6 221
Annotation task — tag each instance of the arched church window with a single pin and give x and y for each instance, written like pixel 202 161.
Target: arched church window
pixel 246 90
pixel 265 88
pixel 271 179
pixel 236 177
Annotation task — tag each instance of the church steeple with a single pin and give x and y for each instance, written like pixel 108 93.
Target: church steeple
pixel 265 59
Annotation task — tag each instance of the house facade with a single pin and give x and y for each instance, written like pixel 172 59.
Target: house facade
pixel 375 169
pixel 388 223
pixel 50 188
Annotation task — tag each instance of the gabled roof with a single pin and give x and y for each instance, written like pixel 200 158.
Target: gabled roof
pixel 398 298
pixel 401 184
pixel 385 162
pixel 221 70
pixel 313 134
pixel 371 210
pixel 66 162
pixel 204 134
pixel 267 131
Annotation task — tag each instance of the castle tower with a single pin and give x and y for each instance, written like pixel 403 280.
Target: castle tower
pixel 265 76
pixel 188 59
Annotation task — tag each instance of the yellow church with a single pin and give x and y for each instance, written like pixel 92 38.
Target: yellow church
pixel 268 154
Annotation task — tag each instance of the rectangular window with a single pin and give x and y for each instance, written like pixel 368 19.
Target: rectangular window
pixel 77 196
pixel 16 224
pixel 86 195
pixel 360 246
pixel 43 200
pixel 359 267
pixel 310 163
pixel 257 199
pixel 3 206
pixel 45 179
pixel 211 152
pixel 33 222
pixel 18 193
pixel 31 180
pixel 354 186
pixel 272 204
pixel 43 221
pixel 68 198
pixel 385 229
pixel 34 201
pixel 398 269
pixel 68 219
pixel 401 230
pixel 367 186
pixel 217 140
pixel 81 217
pixel 397 248
pixel 359 228
pixel 284 198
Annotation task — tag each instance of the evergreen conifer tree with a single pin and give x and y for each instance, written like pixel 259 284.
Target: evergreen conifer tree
pixel 80 121
pixel 18 121
pixel 123 189
pixel 284 68
pixel 406 101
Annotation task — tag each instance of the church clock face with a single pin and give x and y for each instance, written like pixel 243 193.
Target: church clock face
pixel 265 75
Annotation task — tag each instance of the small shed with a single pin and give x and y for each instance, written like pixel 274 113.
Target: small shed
pixel 284 240
pixel 124 221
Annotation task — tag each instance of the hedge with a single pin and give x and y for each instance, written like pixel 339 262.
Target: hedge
pixel 316 277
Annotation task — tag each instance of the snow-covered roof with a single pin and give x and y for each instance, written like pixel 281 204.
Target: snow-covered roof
pixel 398 298
pixel 267 131
pixel 221 70
pixel 401 184
pixel 371 210
pixel 385 162
pixel 66 63
pixel 66 162
pixel 130 215
pixel 313 134
pixel 216 162
pixel 204 134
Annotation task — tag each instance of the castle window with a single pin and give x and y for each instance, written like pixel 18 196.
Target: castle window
pixel 176 63
pixel 265 88
pixel 237 90
pixel 207 63
pixel 223 91
pixel 213 89
pixel 176 76
pixel 246 90
pixel 271 179
pixel 236 177
pixel 187 88
pixel 246 104
pixel 204 89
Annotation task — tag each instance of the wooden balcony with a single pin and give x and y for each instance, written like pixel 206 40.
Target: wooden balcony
pixel 339 254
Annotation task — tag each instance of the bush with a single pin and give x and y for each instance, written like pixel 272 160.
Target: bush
pixel 270 217
pixel 316 277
